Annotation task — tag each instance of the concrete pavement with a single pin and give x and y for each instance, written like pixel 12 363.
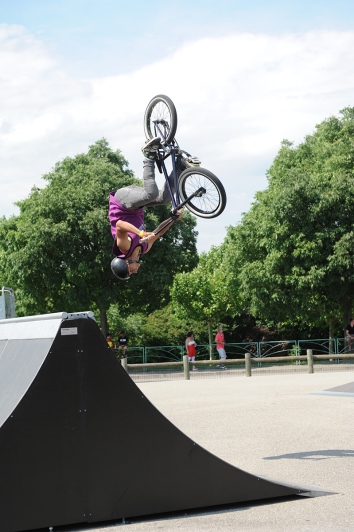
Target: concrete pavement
pixel 275 426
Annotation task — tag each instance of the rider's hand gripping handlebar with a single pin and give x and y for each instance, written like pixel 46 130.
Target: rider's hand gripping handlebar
pixel 146 238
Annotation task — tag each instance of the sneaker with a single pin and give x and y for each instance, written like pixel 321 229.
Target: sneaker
pixel 184 160
pixel 151 147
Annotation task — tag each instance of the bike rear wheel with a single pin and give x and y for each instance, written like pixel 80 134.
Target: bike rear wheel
pixel 160 118
pixel 212 202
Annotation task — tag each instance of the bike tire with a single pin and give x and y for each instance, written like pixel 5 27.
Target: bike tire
pixel 160 119
pixel 209 205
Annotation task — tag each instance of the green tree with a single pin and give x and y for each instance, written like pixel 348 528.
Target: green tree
pixel 161 327
pixel 166 327
pixel 292 250
pixel 131 324
pixel 174 252
pixel 57 252
pixel 203 294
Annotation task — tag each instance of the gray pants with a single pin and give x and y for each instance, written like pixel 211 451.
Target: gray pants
pixel 133 197
pixel 222 353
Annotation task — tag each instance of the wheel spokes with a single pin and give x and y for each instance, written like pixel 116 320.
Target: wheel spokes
pixel 161 118
pixel 209 201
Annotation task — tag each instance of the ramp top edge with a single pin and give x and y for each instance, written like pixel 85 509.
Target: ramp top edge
pixel 40 317
pixel 55 316
pixel 36 327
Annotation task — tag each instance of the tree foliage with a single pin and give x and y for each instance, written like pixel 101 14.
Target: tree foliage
pixel 56 253
pixel 161 327
pixel 293 248
pixel 204 293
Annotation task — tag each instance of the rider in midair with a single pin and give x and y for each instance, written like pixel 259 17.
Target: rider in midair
pixel 126 213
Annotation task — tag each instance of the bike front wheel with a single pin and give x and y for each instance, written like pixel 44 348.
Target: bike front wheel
pixel 206 205
pixel 160 118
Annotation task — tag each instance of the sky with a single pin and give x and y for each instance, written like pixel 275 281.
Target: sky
pixel 243 76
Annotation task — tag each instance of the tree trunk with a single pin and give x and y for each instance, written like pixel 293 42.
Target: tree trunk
pixel 103 320
pixel 210 339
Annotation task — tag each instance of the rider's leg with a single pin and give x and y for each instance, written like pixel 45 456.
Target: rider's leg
pixel 164 196
pixel 133 197
pixel 183 161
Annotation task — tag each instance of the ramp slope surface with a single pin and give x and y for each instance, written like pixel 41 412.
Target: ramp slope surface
pixel 83 444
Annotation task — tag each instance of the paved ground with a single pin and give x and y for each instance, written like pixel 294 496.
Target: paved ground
pixel 274 426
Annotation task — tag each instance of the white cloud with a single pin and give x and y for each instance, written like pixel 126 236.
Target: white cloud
pixel 237 97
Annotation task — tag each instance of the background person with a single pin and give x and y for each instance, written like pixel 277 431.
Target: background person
pixel 191 349
pixel 220 346
pixel 110 341
pixel 349 334
pixel 122 344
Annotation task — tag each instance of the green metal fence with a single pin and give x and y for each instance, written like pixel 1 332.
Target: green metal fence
pixel 135 355
pixel 164 353
pixel 173 353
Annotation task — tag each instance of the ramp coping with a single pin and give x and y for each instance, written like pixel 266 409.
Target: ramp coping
pixel 54 316
pixel 36 327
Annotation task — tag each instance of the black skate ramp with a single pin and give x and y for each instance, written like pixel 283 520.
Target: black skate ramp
pixel 79 441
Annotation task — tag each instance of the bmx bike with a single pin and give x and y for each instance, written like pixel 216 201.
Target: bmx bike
pixel 197 189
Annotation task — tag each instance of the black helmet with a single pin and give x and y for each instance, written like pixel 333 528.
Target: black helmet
pixel 120 269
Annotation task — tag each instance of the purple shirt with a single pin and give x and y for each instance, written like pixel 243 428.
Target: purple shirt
pixel 133 216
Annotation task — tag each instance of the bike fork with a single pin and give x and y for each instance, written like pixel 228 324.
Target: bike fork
pixel 174 214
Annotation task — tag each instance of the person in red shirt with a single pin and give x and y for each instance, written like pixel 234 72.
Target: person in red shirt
pixel 110 341
pixel 220 346
pixel 190 348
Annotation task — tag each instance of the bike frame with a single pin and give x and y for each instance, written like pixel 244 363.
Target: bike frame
pixel 162 169
pixel 170 150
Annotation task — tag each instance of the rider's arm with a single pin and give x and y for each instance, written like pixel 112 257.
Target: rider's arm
pixel 122 229
pixel 152 237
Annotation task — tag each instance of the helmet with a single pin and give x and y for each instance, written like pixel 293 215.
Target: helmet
pixel 120 269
